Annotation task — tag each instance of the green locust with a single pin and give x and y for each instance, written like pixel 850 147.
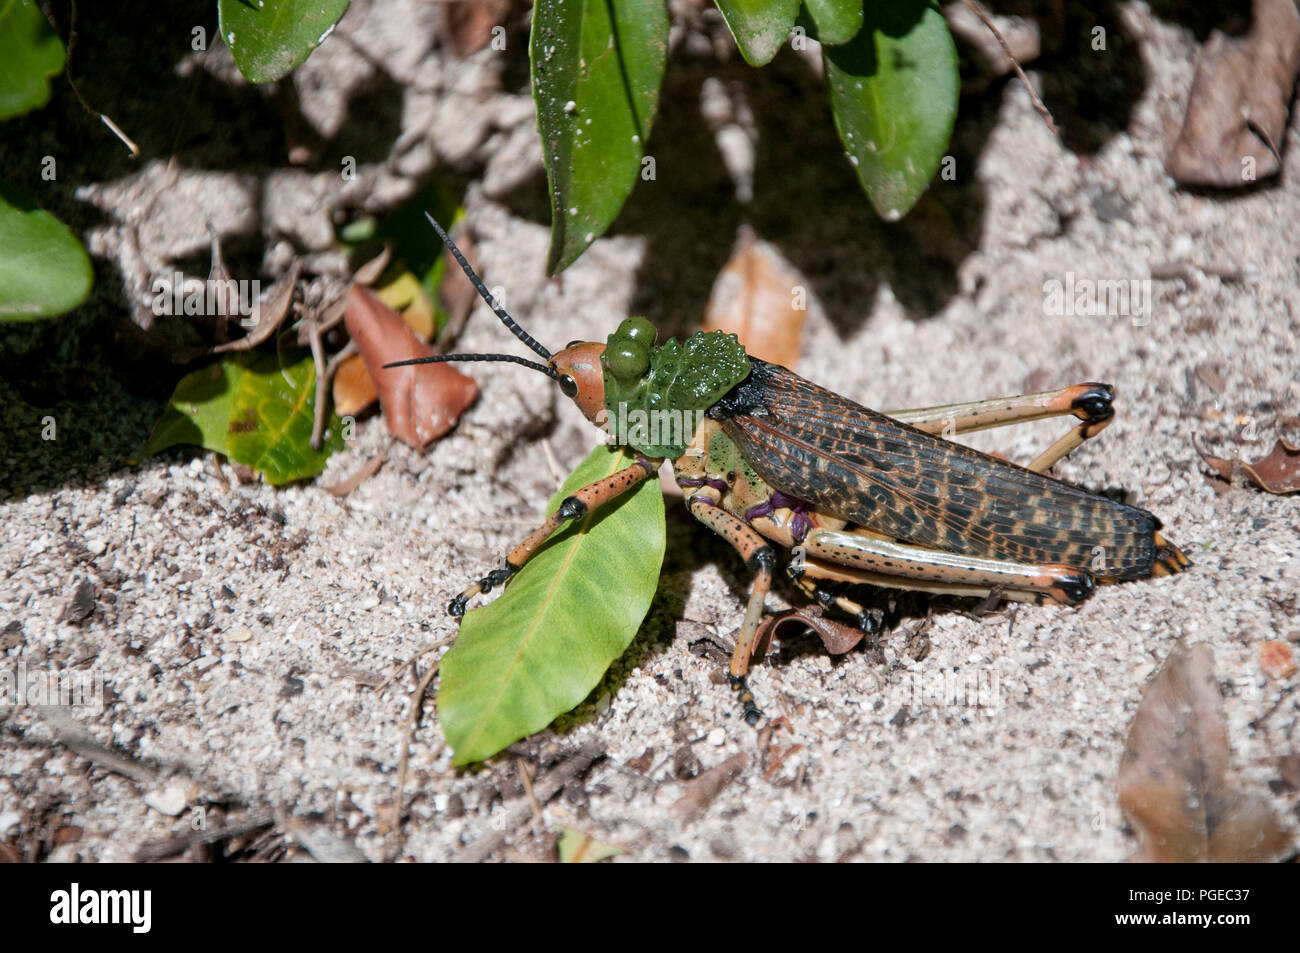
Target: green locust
pixel 768 459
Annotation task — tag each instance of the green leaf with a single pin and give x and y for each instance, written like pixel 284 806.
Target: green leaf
pixel 30 53
pixel 268 38
pixel 759 26
pixel 254 410
pixel 544 644
pixel 198 412
pixel 43 268
pixel 272 409
pixel 596 68
pixel 838 21
pixel 575 847
pixel 894 95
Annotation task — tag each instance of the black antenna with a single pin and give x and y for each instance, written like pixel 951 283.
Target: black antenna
pixel 501 313
pixel 548 371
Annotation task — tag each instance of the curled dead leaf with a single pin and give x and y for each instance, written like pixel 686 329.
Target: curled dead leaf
pixel 1173 776
pixel 369 272
pixel 271 309
pixel 1278 471
pixel 760 299
pixel 420 403
pixel 837 637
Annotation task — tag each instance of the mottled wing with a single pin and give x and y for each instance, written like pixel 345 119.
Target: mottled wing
pixel 865 467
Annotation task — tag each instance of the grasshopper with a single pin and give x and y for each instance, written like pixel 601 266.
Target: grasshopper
pixel 769 459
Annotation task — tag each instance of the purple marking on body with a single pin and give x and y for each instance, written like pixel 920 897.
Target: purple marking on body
pixel 800 524
pixel 719 485
pixel 781 501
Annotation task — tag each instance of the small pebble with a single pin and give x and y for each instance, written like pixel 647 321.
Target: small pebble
pixel 171 800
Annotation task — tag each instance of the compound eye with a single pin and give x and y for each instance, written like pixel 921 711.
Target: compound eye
pixel 568 386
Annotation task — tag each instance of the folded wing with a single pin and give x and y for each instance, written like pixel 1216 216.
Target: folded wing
pixel 864 467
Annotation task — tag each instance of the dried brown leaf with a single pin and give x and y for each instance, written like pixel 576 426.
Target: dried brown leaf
pixel 272 308
pixel 420 403
pixel 1237 109
pixel 837 637
pixel 369 273
pixel 455 293
pixel 761 300
pixel 467 24
pixel 353 388
pixel 704 788
pixel 1278 471
pixel 1173 784
pixel 364 473
pixel 1222 467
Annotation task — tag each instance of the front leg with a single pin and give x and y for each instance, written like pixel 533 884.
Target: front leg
pixel 759 556
pixel 590 497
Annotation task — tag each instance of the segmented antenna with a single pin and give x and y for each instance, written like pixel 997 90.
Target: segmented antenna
pixel 440 358
pixel 501 313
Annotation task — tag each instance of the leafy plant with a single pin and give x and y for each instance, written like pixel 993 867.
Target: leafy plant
pixel 269 38
pixel 44 270
pixel 891 72
pixel 30 53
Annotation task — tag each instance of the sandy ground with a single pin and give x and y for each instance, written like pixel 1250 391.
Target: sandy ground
pixel 241 630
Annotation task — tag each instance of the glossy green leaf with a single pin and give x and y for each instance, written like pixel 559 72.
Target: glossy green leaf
pixel 596 68
pixel 268 38
pixel 759 26
pixel 30 53
pixel 894 94
pixel 198 412
pixel 272 409
pixel 540 648
pixel 43 268
pixel 838 21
